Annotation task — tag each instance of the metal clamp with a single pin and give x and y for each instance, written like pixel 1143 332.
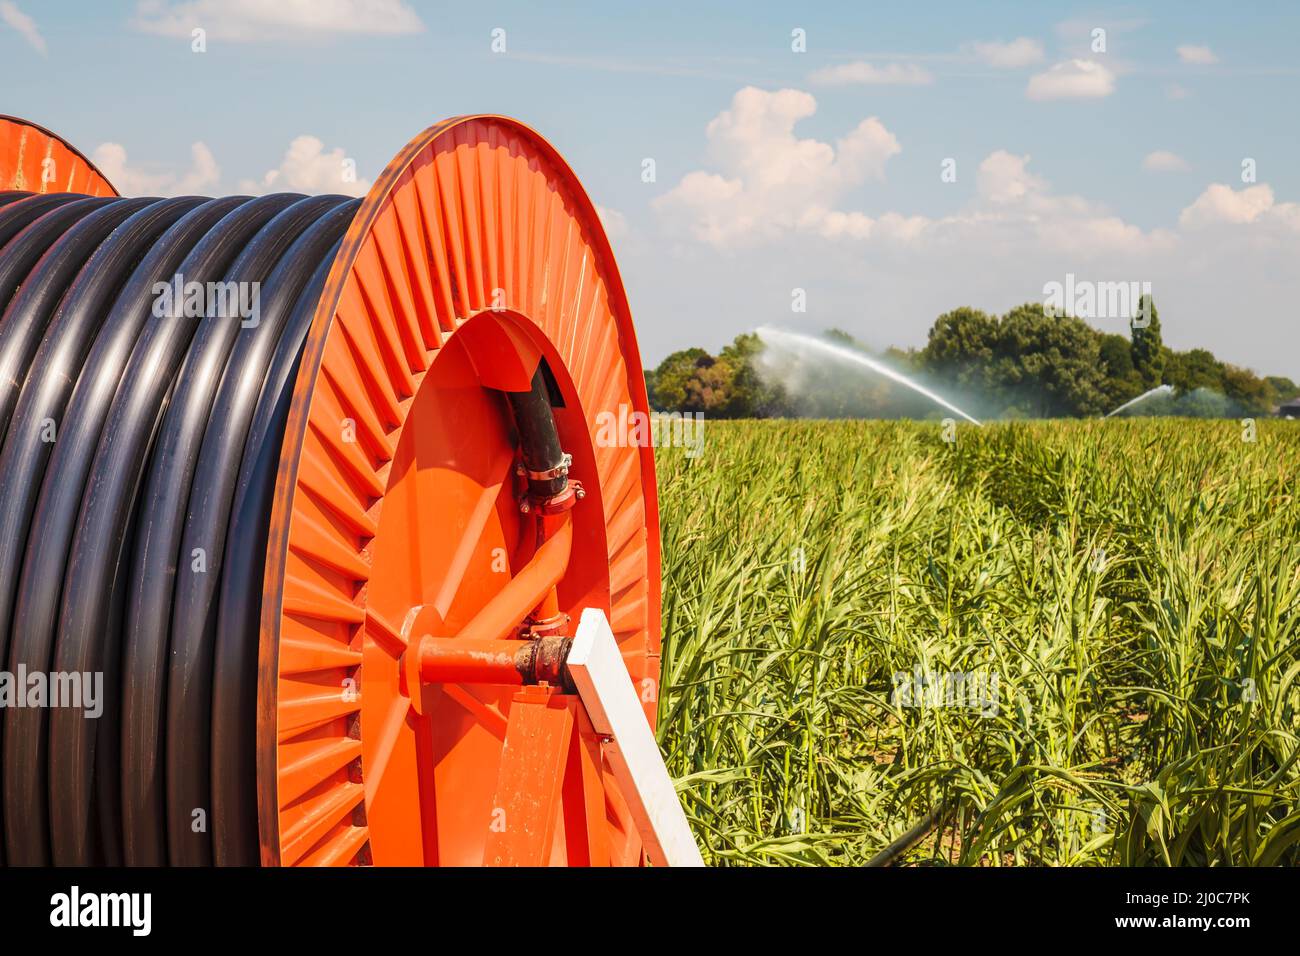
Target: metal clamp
pixel 559 471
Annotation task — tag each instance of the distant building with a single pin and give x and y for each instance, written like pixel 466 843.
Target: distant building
pixel 1289 409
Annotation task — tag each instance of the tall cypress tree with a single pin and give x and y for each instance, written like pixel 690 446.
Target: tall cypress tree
pixel 1148 348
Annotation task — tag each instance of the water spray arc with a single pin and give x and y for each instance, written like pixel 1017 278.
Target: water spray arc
pixel 1149 393
pixel 802 344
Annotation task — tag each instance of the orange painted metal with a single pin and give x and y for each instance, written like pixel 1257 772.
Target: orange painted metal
pixel 551 784
pixel 397 515
pixel 475 255
pixel 586 833
pixel 527 809
pixel 527 589
pixel 456 660
pixel 504 358
pixel 35 160
pixel 551 521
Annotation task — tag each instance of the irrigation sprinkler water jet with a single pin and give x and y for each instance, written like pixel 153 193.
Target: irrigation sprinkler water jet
pixel 1149 393
pixel 801 344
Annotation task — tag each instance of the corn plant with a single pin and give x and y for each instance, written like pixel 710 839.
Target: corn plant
pixel 1126 593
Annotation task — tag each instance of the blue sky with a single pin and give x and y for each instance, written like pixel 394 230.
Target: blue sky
pixel 775 170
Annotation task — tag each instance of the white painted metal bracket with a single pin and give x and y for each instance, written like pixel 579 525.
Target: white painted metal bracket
pixel 606 690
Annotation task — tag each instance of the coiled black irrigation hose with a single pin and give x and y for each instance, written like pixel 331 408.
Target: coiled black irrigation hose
pixel 141 436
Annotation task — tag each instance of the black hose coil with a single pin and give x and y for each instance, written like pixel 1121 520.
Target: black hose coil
pixel 137 471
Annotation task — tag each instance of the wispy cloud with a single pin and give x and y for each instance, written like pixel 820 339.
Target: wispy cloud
pixel 23 24
pixel 1082 36
pixel 1163 161
pixel 1022 51
pixel 1197 55
pixel 255 20
pixel 658 66
pixel 615 222
pixel 862 73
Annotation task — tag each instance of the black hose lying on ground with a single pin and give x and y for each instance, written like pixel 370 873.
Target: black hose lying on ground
pixel 141 433
pixel 923 827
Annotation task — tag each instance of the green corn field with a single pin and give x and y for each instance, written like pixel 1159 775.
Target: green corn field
pixel 1078 642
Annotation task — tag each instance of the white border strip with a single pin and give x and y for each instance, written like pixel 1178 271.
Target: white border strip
pixel 606 690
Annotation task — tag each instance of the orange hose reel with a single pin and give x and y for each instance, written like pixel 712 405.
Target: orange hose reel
pixel 406 567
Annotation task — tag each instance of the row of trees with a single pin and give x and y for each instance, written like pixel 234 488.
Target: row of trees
pixel 1025 363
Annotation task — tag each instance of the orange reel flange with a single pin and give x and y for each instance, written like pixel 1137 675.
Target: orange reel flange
pixel 35 160
pixel 398 516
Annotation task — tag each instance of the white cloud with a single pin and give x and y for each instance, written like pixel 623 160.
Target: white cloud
pixel 1022 51
pixel 1175 92
pixel 889 227
pixel 884 276
pixel 308 168
pixel 1004 177
pixel 770 185
pixel 1163 161
pixel 1221 204
pixel 862 73
pixel 254 20
pixel 1018 209
pixel 770 181
pixel 1072 79
pixel 23 24
pixel 199 179
pixel 1199 55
